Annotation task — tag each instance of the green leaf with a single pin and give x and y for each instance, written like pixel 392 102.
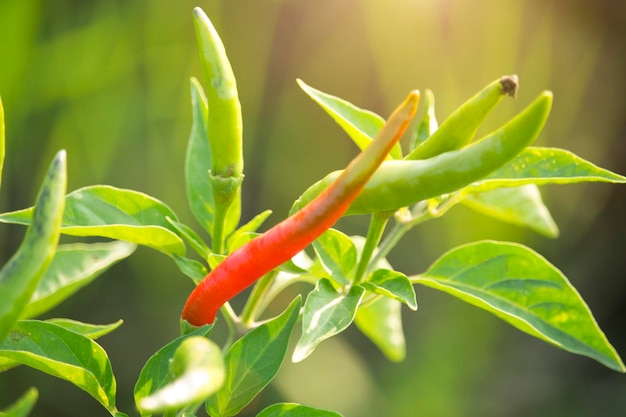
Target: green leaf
pixel 521 206
pixel 193 269
pixel 92 331
pixel 252 362
pixel 198 161
pixel 64 354
pixel 361 125
pixel 6 364
pixel 326 313
pixel 518 285
pixel 21 274
pixel 381 322
pixel 295 410
pixel 155 373
pixel 191 238
pixel 214 260
pixel 102 210
pixel 73 267
pixel 23 406
pixel 535 165
pixel 338 255
pixel 196 371
pixel 2 140
pixel 392 284
pixel 240 239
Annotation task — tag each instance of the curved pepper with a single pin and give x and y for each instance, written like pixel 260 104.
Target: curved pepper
pixel 460 127
pixel 398 184
pixel 224 129
pixel 279 244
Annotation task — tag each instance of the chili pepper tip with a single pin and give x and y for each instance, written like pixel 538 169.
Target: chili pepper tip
pixel 510 85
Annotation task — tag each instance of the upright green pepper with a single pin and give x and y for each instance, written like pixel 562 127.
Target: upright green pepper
pixel 398 184
pixel 279 244
pixel 460 127
pixel 224 126
pixel 20 276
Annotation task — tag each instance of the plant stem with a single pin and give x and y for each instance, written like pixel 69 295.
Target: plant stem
pixel 232 321
pixel 398 230
pixel 251 308
pixel 430 209
pixel 217 236
pixel 378 222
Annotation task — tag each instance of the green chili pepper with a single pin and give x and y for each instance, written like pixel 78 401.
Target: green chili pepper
pixel 460 127
pixel 279 244
pixel 398 184
pixel 20 276
pixel 224 127
pixel 1 139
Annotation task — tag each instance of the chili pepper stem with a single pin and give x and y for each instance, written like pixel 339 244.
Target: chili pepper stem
pixel 253 305
pixel 417 217
pixel 378 222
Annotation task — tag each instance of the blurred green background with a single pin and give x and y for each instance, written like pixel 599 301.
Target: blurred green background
pixel 109 81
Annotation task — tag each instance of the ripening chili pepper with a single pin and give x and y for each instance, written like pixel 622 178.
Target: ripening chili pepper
pixel 21 275
pixel 279 244
pixel 460 127
pixel 398 184
pixel 224 124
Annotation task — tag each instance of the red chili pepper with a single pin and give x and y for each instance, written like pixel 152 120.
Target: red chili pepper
pixel 248 263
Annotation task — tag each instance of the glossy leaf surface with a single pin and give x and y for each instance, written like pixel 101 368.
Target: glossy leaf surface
pixel 20 276
pixel 295 410
pixel 537 165
pixel 361 125
pixel 73 267
pixel 115 213
pixel 522 206
pixel 519 286
pixel 381 322
pixel 92 331
pixel 23 406
pixel 252 362
pixel 326 313
pixel 64 354
pixel 392 284
pixel 337 254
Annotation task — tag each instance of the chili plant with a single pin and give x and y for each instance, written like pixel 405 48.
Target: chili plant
pixel 351 280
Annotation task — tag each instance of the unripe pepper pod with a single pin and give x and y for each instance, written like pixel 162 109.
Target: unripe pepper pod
pixel 21 274
pixel 279 244
pixel 224 129
pixel 460 127
pixel 224 123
